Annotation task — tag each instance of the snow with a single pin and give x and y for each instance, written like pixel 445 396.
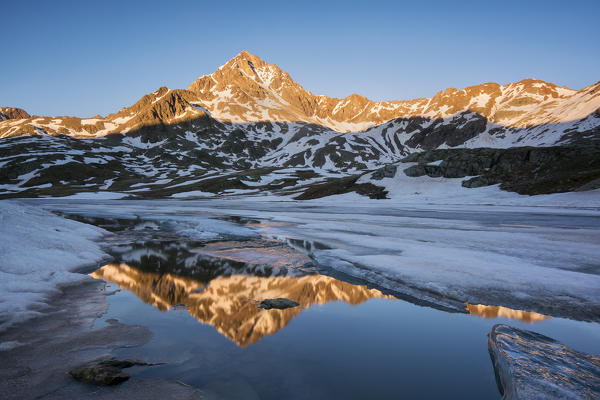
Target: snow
pixel 200 108
pixel 94 160
pixel 137 142
pixel 122 120
pixel 193 193
pixel 39 249
pixel 96 195
pixel 427 191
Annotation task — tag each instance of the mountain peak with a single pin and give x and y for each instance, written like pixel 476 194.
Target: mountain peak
pixel 247 56
pixel 12 113
pixel 244 61
pixel 249 89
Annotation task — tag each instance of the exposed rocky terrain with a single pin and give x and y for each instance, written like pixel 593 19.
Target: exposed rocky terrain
pixel 249 128
pixel 12 113
pixel 529 365
pixel 525 170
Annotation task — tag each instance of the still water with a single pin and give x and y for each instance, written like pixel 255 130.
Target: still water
pixel 345 340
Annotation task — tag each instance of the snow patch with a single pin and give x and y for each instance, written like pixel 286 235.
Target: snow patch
pixel 39 251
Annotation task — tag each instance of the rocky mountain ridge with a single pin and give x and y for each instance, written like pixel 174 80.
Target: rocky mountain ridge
pixel 7 113
pixel 247 89
pixel 249 128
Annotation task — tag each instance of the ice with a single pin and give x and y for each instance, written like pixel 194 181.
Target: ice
pixel 39 250
pixel 530 253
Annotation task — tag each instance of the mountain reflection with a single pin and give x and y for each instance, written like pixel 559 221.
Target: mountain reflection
pixel 484 311
pixel 229 303
pixel 220 283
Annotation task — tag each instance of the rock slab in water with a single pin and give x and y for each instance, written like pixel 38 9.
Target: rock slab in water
pixel 279 303
pixel 532 366
pixel 106 372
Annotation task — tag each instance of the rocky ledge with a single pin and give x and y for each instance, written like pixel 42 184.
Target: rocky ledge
pixel 532 366
pixel 525 170
pixel 105 372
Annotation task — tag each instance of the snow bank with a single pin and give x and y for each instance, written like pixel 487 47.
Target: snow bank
pixel 424 190
pixel 39 249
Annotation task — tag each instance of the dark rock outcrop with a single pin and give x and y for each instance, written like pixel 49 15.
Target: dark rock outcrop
pixel 459 129
pixel 333 186
pixel 532 366
pixel 389 171
pixel 279 303
pixel 525 170
pixel 106 372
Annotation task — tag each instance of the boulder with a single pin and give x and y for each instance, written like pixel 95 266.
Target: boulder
pixel 106 372
pixel 532 366
pixel 279 303
pixel 389 171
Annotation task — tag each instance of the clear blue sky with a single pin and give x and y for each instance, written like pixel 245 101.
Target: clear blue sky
pixel 88 57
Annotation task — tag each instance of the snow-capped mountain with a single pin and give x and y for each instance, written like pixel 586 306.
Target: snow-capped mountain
pixel 247 89
pixel 251 116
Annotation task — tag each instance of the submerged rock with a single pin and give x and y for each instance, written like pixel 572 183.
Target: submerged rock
pixel 532 366
pixel 106 372
pixel 279 303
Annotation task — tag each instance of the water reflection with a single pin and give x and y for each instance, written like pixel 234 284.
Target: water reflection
pixel 484 311
pixel 229 302
pixel 221 282
pixel 204 260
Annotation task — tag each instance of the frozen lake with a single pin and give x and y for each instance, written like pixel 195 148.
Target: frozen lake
pixel 539 259
pixel 392 299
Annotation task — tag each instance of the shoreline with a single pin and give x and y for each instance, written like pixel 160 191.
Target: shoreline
pixel 65 338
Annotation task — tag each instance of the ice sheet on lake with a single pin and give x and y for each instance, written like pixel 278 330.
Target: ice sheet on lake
pixel 39 249
pixel 541 259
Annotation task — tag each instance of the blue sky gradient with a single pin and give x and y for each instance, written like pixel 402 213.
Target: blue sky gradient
pixel 83 58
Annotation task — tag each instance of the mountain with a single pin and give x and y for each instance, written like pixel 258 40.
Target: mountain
pixel 247 89
pixel 12 113
pixel 249 127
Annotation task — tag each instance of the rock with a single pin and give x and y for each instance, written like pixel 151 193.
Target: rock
pixel 346 184
pixel 389 171
pixel 106 372
pixel 279 303
pixel 454 132
pixel 532 366
pixel 13 113
pixel 525 170
pixel 592 185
